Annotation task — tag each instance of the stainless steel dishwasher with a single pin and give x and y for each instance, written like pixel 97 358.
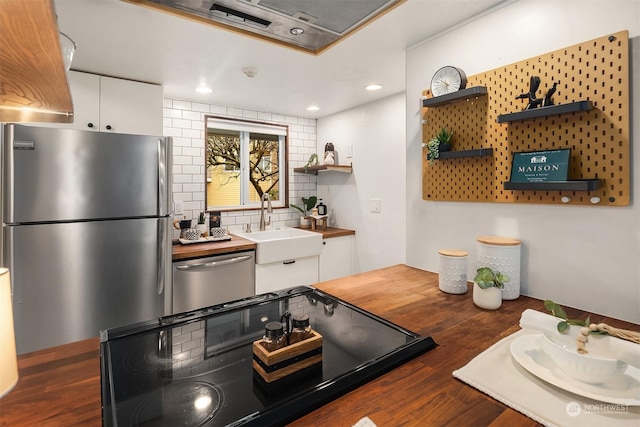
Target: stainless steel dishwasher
pixel 203 282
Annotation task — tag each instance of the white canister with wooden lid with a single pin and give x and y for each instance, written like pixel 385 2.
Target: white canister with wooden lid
pixel 502 254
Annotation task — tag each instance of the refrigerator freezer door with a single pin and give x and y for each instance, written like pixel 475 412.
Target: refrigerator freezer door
pixel 66 175
pixel 72 280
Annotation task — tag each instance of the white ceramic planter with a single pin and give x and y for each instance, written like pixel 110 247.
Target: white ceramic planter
pixel 305 222
pixel 202 228
pixel 489 299
pixel 502 254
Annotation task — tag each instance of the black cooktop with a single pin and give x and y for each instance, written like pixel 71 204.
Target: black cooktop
pixel 195 368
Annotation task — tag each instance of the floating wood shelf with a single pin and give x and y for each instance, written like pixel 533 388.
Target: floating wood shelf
pixel 460 95
pixel 574 107
pixel 34 81
pixel 313 170
pixel 480 152
pixel 576 185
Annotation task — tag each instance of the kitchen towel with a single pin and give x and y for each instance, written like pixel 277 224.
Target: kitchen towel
pixel 496 373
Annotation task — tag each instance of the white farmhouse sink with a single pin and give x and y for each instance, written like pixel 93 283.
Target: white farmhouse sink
pixel 284 244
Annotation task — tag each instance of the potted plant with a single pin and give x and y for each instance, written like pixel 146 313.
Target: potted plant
pixel 441 142
pixel 305 209
pixel 202 227
pixel 487 288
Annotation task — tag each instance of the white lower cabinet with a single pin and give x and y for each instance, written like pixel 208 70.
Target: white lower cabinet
pixel 285 274
pixel 336 258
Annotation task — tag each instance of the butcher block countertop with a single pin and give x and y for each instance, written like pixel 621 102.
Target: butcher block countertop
pixel 196 250
pixel 60 386
pixel 236 244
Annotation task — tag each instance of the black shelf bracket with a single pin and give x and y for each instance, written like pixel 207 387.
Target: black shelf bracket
pixel 461 95
pixel 551 110
pixel 480 152
pixel 574 185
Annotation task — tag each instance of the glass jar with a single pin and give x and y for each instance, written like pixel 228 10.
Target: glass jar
pixel 274 337
pixel 301 330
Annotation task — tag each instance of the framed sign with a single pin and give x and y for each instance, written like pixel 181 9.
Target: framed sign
pixel 540 166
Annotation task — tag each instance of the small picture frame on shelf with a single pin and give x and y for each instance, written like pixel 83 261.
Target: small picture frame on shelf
pixel 540 166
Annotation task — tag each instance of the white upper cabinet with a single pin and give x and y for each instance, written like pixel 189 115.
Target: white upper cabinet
pixel 107 104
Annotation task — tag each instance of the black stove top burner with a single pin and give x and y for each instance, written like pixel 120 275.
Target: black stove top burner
pixel 195 369
pixel 186 404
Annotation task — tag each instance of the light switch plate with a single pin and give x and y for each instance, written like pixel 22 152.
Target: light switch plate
pixel 178 207
pixel 375 205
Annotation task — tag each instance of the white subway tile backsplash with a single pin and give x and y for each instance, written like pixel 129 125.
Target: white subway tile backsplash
pixel 192 152
pixel 171 113
pixel 182 160
pixel 193 115
pixel 171 131
pixel 193 133
pixel 179 141
pixel 181 105
pixel 181 123
pixel 203 108
pixel 199 160
pixel 234 112
pixel 182 178
pixel 185 122
pixel 218 110
pixel 192 170
pixel 249 114
pixel 192 187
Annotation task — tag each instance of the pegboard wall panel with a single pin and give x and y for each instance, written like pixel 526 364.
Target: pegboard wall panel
pixel 596 71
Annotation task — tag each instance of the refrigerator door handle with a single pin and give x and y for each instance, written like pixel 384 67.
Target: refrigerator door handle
pixel 8 186
pixel 214 264
pixel 162 254
pixel 164 176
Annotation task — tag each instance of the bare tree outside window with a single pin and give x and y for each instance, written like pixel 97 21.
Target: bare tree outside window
pixel 224 162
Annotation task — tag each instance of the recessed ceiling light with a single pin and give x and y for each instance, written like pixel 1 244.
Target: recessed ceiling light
pixel 296 31
pixel 313 108
pixel 374 87
pixel 203 89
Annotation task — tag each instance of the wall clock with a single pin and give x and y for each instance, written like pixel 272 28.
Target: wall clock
pixel 447 80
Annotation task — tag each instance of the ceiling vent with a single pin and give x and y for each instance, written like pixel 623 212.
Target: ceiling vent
pixel 323 22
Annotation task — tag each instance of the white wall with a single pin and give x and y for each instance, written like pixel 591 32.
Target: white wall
pixel 375 133
pixel 579 256
pixel 185 122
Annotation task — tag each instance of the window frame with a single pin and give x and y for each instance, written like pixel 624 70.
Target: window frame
pixel 246 127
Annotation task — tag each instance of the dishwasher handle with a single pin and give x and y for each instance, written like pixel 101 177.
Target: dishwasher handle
pixel 214 264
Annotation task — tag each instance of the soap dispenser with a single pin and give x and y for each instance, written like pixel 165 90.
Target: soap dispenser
pixel 322 208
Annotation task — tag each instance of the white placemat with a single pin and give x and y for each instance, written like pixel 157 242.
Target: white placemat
pixel 496 373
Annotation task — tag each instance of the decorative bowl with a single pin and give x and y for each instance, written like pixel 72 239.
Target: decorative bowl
pixel 594 367
pixel 192 234
pixel 218 232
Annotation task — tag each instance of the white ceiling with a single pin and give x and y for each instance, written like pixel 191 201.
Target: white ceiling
pixel 124 40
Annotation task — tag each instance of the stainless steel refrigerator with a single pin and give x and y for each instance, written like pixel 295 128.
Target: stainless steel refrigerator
pixel 85 231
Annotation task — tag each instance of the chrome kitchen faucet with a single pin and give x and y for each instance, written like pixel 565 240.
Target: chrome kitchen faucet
pixel 264 224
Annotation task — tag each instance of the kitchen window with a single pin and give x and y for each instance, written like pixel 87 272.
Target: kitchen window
pixel 243 161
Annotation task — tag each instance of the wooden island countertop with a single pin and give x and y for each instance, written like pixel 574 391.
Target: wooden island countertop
pixel 60 386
